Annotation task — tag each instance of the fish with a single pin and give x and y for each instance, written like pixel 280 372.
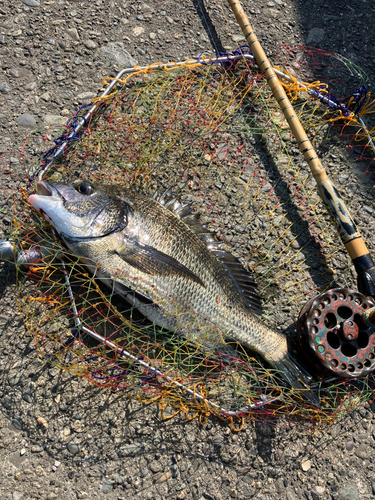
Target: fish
pixel 158 255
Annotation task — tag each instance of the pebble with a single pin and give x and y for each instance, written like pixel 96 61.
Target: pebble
pixel 31 86
pixel 349 446
pixel 306 465
pixel 349 492
pixel 36 449
pixel 42 422
pixel 26 120
pixel 4 88
pixel 107 486
pixel 46 96
pixel 86 96
pixel 73 33
pixel 130 450
pixel 174 470
pixel 90 44
pixel 161 478
pixel 2 39
pixel 320 490
pixel 17 496
pixel 152 36
pixel 14 72
pixel 73 448
pixel 315 35
pixel 16 424
pixel 138 30
pixel 144 472
pixel 238 38
pixel 119 480
pixel 31 3
pixel 114 51
pixel 155 466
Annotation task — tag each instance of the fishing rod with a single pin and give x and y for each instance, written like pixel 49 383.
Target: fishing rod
pixel 349 234
pixel 335 330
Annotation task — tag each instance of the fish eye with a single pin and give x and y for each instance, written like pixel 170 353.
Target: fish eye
pixel 85 188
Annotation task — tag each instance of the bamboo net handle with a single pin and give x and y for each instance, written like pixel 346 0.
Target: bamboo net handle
pixel 335 205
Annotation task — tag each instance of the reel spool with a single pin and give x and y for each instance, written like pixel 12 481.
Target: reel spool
pixel 336 331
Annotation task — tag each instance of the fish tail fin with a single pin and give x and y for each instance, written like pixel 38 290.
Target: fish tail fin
pixel 296 377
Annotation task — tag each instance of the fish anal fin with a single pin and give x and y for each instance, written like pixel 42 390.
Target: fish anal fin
pixel 151 261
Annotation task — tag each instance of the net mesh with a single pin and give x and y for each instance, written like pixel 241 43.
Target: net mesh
pixel 215 135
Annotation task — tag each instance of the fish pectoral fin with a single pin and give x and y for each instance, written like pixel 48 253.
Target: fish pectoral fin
pixel 150 261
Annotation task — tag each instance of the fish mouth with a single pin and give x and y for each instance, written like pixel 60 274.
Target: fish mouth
pixel 45 189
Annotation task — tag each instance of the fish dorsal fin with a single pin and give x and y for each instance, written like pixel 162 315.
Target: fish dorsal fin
pixel 242 279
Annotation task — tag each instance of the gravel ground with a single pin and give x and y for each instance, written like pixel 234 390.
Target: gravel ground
pixel 62 438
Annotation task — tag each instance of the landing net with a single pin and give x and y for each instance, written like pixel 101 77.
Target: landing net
pixel 214 134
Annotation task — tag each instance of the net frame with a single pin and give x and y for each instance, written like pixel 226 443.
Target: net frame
pixel 210 406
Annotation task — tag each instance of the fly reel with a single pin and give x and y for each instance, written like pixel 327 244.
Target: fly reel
pixel 336 330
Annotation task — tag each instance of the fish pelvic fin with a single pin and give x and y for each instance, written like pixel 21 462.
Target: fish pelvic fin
pixel 296 378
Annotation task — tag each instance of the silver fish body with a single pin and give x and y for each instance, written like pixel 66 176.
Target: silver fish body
pixel 135 242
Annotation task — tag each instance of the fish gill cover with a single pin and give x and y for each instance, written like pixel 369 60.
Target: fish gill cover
pixel 215 135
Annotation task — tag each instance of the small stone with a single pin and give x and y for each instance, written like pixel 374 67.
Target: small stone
pixel 26 120
pixel 4 88
pixel 16 424
pixel 174 470
pixel 114 51
pixel 31 86
pixel 315 35
pixel 42 422
pixel 119 480
pixel 46 96
pixel 152 36
pixel 73 33
pixel 368 209
pixel 349 492
pixel 17 496
pixel 2 39
pixel 155 466
pixel 349 446
pixel 161 478
pixel 31 3
pixel 181 495
pixel 107 486
pixel 36 449
pixel 238 38
pixel 14 72
pixel 306 465
pixel 144 472
pixel 73 448
pixel 138 30
pixel 90 44
pixel 320 490
pixel 170 20
pixel 86 96
pixel 22 452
